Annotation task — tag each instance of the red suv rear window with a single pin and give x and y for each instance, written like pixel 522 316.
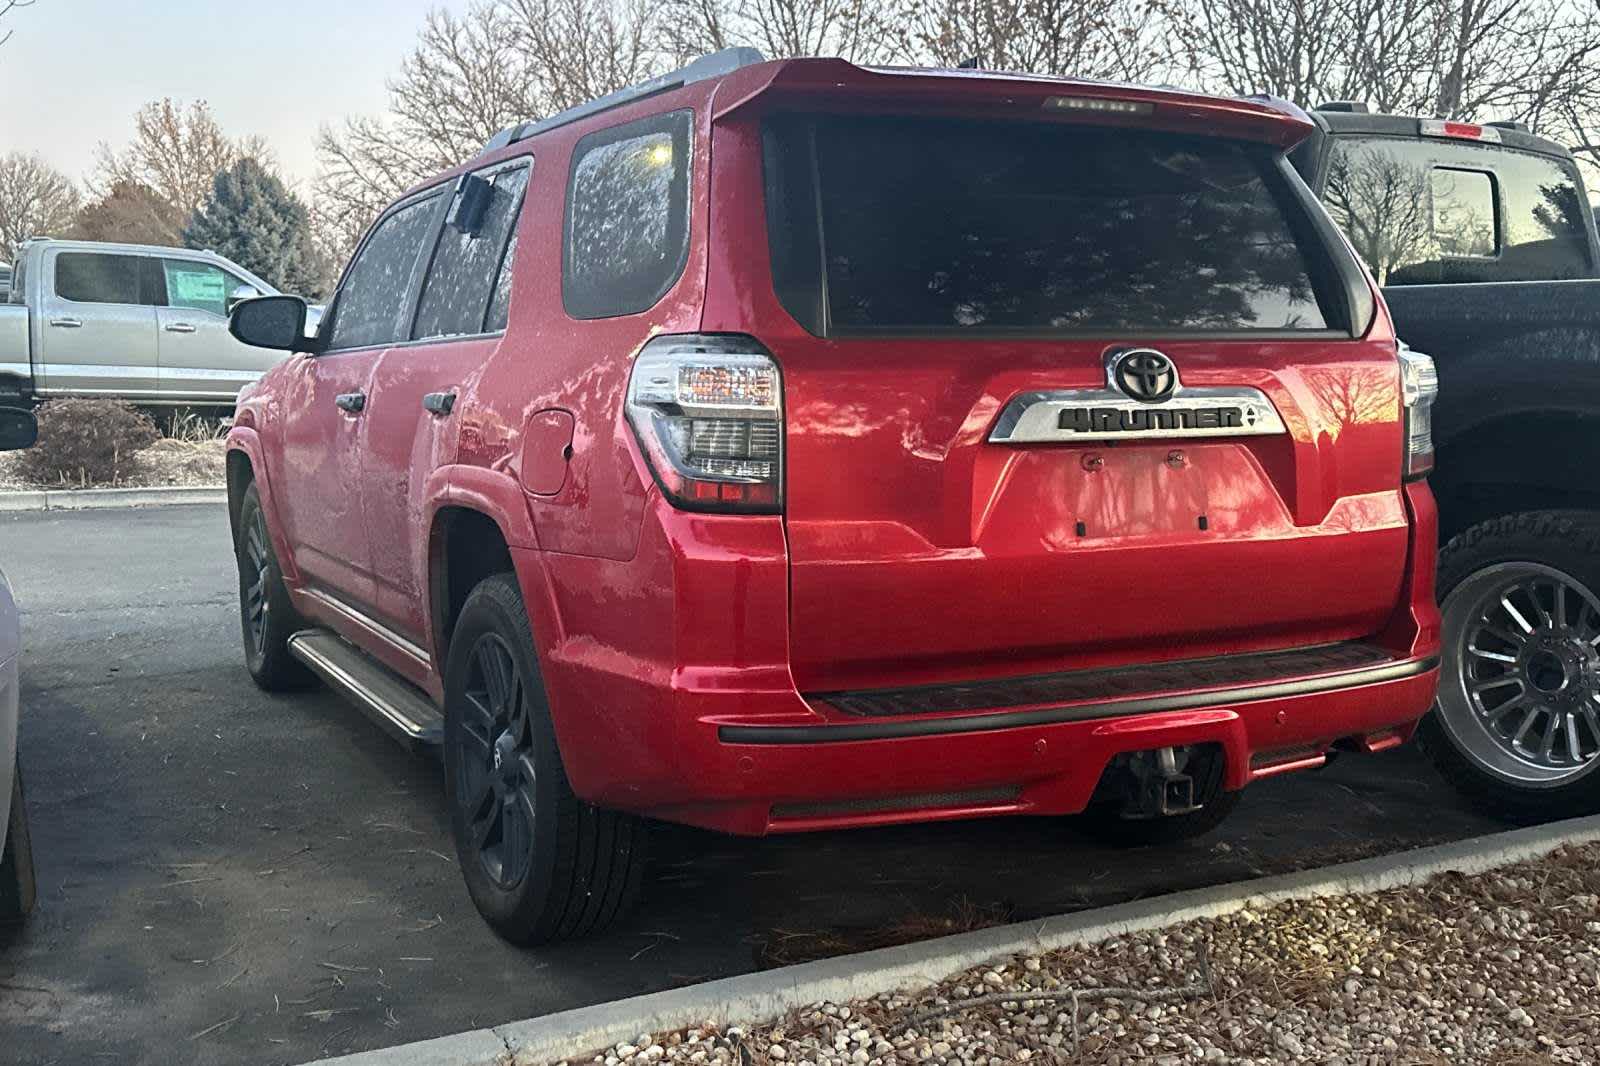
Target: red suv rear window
pixel 919 225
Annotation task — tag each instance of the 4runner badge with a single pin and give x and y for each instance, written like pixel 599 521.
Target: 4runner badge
pixel 1143 398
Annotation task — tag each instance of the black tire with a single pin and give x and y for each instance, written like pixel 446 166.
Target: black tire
pixel 1104 822
pixel 266 617
pixel 540 864
pixel 1564 541
pixel 18 888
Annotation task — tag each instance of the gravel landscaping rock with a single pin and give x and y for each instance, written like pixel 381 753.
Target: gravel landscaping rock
pixel 1503 967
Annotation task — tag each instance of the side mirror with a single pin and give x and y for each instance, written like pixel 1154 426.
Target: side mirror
pixel 270 322
pixel 240 294
pixel 18 428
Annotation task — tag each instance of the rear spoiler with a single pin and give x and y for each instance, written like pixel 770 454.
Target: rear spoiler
pixel 822 82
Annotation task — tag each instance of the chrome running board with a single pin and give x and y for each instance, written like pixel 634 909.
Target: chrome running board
pixel 398 706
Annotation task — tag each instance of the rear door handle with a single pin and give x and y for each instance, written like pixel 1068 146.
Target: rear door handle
pixel 354 402
pixel 439 404
pixel 66 323
pixel 179 327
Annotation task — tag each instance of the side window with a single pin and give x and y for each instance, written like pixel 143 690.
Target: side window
pixel 372 301
pixel 98 278
pixel 1463 212
pixel 500 299
pixel 461 279
pixel 199 286
pixel 627 225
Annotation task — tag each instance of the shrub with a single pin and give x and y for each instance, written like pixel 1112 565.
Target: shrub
pixel 86 442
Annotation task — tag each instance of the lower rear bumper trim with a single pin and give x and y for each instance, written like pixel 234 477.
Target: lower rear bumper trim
pixel 1078 712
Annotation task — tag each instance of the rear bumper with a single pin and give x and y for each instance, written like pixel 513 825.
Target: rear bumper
pixel 683 705
pixel 757 779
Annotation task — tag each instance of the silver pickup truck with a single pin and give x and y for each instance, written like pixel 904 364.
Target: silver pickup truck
pixel 143 323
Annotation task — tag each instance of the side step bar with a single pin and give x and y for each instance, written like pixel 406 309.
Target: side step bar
pixel 399 707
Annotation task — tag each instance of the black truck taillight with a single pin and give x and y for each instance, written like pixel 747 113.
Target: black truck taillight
pixel 1419 387
pixel 708 412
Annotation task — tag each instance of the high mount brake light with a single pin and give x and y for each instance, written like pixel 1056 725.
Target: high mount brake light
pixel 708 413
pixel 1419 387
pixel 1099 105
pixel 1471 131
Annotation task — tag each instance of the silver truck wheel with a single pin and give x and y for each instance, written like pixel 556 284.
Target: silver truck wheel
pixel 1516 728
pixel 1520 693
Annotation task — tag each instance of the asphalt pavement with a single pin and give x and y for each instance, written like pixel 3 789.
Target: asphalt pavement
pixel 231 877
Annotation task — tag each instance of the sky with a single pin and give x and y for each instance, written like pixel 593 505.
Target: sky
pixel 75 71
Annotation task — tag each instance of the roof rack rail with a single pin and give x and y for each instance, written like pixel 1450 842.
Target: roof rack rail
pixel 1349 107
pixel 714 65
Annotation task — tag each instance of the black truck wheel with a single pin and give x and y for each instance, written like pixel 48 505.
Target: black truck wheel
pixel 17 886
pixel 1517 724
pixel 540 864
pixel 266 616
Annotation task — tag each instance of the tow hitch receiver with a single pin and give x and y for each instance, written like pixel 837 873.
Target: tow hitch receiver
pixel 1158 786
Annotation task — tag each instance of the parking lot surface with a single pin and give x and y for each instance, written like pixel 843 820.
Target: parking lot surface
pixel 231 877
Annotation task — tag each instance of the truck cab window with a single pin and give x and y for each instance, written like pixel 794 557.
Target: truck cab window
pixel 98 278
pixel 1431 212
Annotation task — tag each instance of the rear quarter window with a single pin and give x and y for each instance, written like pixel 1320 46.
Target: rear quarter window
pixel 912 225
pixel 627 221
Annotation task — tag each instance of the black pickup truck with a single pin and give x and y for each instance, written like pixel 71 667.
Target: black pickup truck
pixel 1484 242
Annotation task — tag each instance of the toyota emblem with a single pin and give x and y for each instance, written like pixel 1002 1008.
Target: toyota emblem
pixel 1144 374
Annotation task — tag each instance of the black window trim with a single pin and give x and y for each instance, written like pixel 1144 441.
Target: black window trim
pixel 660 122
pixel 1353 300
pixel 413 286
pixel 523 161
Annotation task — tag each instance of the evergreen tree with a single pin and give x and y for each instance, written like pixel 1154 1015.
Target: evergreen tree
pixel 251 218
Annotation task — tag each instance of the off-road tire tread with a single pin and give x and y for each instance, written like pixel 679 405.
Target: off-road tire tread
pixel 1528 536
pixel 18 887
pixel 598 856
pixel 277 670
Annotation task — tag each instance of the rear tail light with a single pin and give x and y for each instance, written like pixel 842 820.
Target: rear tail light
pixel 1419 387
pixel 708 412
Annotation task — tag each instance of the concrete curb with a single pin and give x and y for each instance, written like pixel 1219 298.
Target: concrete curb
pixel 95 499
pixel 760 996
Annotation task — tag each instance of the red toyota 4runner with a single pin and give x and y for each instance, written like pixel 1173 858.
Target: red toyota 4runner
pixel 786 446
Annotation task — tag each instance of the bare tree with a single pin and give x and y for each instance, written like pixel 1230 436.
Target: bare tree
pixel 1533 60
pixel 176 151
pixel 1114 39
pixel 36 200
pixel 862 31
pixel 466 78
pixel 6 7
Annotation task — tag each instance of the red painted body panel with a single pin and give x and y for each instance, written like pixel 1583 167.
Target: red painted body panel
pixel 911 549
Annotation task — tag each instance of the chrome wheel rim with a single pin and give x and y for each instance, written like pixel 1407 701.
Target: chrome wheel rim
pixel 1520 693
pixel 495 770
pixel 253 566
